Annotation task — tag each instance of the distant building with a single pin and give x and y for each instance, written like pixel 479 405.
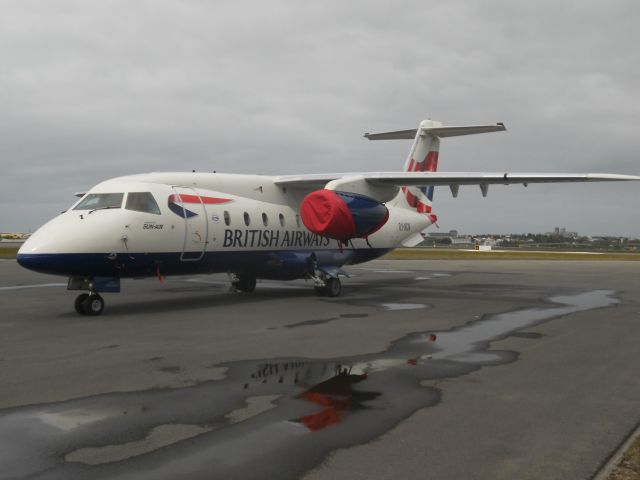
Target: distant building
pixel 462 240
pixel 562 232
pixel 449 234
pixel 14 236
pixel 452 235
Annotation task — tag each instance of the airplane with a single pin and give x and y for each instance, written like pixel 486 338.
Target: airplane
pixel 256 226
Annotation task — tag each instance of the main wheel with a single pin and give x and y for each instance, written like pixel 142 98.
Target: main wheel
pixel 333 288
pixel 321 291
pixel 93 304
pixel 79 301
pixel 245 283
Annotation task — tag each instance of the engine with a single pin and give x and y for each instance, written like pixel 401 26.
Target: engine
pixel 342 215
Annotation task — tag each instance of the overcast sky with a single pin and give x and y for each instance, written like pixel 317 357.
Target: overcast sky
pixel 96 89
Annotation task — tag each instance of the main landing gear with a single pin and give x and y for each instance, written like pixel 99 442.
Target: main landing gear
pixel 89 304
pixel 244 283
pixel 331 288
pixel 325 284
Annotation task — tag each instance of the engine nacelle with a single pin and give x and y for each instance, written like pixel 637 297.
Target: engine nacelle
pixel 342 215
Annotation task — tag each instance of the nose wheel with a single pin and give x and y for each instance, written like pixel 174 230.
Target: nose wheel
pixel 89 304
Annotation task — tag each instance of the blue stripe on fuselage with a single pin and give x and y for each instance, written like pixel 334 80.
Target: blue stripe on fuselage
pixel 277 265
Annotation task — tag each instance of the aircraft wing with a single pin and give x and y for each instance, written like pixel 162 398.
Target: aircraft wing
pixel 403 179
pixel 480 178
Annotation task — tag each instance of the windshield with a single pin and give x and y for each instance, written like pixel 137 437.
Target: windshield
pixel 142 202
pixel 95 201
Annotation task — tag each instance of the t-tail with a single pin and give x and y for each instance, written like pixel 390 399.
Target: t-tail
pixel 423 157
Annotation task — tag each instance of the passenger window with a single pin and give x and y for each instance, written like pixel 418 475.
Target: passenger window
pixel 281 217
pixel 227 218
pixel 247 219
pixel 96 201
pixel 265 219
pixel 142 202
pixel 298 220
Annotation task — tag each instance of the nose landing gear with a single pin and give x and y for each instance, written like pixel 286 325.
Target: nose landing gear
pixel 92 303
pixel 89 304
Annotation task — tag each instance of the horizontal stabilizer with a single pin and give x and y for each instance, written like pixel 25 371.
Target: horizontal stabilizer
pixel 437 131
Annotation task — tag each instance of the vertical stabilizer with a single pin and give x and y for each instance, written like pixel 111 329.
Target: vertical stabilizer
pixel 423 157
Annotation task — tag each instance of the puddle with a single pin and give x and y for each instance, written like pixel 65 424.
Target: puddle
pixel 254 406
pixel 71 419
pixel 160 436
pixel 320 321
pixel 232 427
pixel 308 323
pixel 532 335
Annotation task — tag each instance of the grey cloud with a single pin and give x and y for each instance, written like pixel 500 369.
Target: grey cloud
pixel 91 90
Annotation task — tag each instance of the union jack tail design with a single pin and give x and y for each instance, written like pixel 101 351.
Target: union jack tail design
pixel 423 157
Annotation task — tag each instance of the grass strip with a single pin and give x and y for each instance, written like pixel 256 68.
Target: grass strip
pixel 8 252
pixel 449 254
pixel 629 466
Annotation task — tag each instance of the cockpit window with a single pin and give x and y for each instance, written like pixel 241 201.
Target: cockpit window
pixel 142 202
pixel 96 201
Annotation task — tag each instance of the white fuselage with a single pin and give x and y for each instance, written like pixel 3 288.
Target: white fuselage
pixel 202 222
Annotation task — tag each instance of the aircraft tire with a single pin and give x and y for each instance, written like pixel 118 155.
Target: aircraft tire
pixel 321 291
pixel 79 301
pixel 333 288
pixel 93 305
pixel 245 284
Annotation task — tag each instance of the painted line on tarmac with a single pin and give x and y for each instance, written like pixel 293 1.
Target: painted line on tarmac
pixel 39 285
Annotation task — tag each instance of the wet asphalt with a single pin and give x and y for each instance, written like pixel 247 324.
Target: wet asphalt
pixel 421 369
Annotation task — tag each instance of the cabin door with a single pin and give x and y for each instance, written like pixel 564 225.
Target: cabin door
pixel 188 203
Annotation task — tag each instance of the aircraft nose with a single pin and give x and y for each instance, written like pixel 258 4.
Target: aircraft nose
pixel 37 253
pixel 42 241
pixel 28 261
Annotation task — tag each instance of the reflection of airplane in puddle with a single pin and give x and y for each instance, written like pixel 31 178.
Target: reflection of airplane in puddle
pixel 328 385
pixel 335 396
pixel 255 226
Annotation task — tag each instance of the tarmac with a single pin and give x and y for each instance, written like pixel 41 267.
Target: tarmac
pixel 421 369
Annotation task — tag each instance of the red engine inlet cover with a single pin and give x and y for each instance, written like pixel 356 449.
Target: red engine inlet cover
pixel 323 212
pixel 342 215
